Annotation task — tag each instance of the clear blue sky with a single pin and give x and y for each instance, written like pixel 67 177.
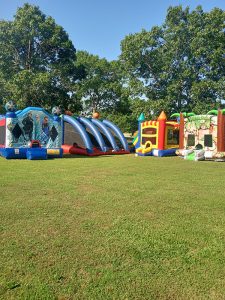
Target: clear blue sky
pixel 98 26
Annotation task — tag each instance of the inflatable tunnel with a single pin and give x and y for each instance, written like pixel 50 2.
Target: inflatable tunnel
pixel 87 136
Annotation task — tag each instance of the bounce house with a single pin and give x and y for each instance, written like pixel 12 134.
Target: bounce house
pixel 157 138
pixel 203 136
pixel 91 136
pixel 31 133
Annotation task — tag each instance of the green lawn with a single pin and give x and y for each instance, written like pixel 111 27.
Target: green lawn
pixel 120 227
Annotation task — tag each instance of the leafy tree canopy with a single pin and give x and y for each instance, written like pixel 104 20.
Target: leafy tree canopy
pixel 36 60
pixel 181 64
pixel 102 88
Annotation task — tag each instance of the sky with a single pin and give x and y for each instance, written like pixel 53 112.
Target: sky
pixel 98 26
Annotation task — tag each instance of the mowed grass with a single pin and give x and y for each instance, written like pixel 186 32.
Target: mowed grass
pixel 115 227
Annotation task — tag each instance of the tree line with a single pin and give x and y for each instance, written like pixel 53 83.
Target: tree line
pixel 178 66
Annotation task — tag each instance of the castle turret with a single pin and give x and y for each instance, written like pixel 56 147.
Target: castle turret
pixel 162 130
pixel 10 122
pixel 221 132
pixel 141 119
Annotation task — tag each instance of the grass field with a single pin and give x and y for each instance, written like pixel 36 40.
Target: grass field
pixel 112 228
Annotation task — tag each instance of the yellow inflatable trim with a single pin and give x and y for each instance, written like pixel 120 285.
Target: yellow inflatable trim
pixel 144 150
pixel 53 151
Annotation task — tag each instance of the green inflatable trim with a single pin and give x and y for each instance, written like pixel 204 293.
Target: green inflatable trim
pixel 175 115
pixel 191 156
pixel 191 114
pixel 135 137
pixel 213 112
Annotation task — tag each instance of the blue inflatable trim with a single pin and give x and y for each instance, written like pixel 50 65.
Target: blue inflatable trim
pixel 106 132
pixel 81 131
pixel 20 113
pixel 10 114
pixel 13 153
pixel 167 152
pixel 145 154
pixel 36 153
pixel 160 153
pixel 118 132
pixel 56 153
pixel 94 131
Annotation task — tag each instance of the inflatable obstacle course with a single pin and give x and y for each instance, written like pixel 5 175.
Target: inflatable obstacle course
pixel 91 137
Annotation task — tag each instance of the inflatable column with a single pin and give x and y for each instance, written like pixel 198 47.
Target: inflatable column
pixel 57 123
pixel 141 119
pixel 181 132
pixel 220 132
pixel 162 130
pixel 10 122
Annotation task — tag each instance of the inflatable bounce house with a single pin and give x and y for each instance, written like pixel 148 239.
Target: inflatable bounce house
pixel 157 138
pixel 31 133
pixel 203 136
pixel 91 136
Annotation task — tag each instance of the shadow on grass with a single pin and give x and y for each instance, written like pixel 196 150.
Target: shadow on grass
pixel 79 156
pixel 85 156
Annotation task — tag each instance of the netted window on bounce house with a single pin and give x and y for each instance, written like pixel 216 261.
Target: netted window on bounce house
pixel 149 130
pixel 172 137
pixel 149 139
pixel 191 140
pixel 208 141
pixel 17 131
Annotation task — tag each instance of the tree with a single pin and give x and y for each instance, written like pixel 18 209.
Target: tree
pixel 36 60
pixel 102 88
pixel 179 65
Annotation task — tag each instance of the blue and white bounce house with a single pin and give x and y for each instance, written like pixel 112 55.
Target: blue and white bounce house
pixel 32 133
